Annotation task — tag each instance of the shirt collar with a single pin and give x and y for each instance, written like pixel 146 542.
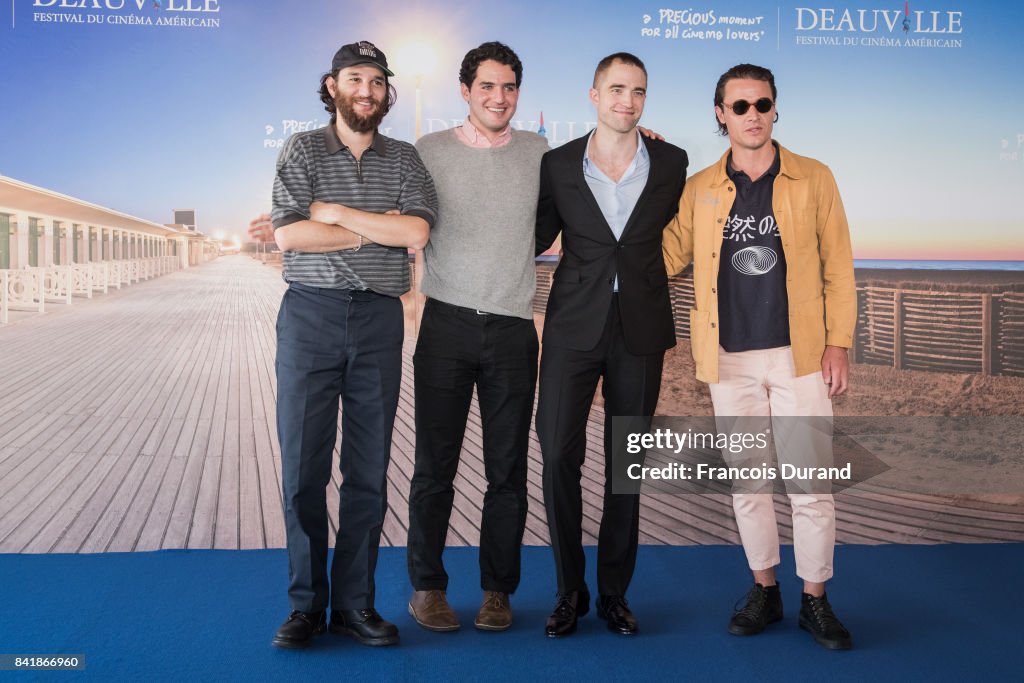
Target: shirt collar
pixel 641 156
pixel 335 145
pixel 773 170
pixel 475 136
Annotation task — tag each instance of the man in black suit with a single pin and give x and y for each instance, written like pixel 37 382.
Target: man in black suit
pixel 610 193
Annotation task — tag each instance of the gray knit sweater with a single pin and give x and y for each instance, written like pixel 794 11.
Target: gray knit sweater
pixel 480 253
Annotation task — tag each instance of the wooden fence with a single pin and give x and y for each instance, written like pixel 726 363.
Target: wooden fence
pixel 1009 342
pixel 941 331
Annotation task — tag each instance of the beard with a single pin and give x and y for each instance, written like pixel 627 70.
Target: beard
pixel 345 106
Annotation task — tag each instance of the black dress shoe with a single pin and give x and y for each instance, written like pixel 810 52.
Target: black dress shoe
pixel 299 629
pixel 763 607
pixel 568 609
pixel 365 625
pixel 817 617
pixel 614 610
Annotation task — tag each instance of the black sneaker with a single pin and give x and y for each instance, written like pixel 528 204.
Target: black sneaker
pixel 817 617
pixel 365 625
pixel 299 629
pixel 763 607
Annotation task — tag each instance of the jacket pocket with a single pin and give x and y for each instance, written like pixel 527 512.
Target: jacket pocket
pixel 804 228
pixel 808 324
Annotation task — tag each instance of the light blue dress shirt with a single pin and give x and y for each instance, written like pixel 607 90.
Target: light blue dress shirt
pixel 617 200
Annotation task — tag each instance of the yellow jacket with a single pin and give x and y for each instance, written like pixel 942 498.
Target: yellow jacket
pixel 816 243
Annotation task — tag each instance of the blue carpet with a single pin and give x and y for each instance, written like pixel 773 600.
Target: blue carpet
pixel 945 612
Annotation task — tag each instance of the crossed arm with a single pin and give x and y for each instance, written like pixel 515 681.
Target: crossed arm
pixel 331 227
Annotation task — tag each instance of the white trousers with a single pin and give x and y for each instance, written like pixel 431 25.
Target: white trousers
pixel 763 384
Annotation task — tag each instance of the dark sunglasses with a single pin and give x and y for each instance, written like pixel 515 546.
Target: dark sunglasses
pixel 740 107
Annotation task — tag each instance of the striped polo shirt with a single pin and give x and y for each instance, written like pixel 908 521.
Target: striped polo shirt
pixel 316 166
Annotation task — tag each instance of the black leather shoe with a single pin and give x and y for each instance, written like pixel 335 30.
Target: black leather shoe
pixel 763 607
pixel 568 609
pixel 817 617
pixel 299 629
pixel 365 625
pixel 614 610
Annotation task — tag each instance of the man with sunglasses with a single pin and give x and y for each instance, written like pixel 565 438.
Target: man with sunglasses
pixel 773 316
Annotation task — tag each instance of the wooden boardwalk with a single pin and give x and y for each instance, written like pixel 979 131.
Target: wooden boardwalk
pixel 144 419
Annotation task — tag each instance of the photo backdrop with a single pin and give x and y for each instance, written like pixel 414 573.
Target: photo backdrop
pixel 149 105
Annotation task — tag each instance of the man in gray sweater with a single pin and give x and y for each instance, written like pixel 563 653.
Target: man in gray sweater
pixel 477 329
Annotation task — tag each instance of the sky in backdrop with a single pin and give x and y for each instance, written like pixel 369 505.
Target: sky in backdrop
pixel 146 106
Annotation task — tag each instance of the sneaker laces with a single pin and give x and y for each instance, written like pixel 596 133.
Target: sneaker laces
pixel 756 602
pixel 823 614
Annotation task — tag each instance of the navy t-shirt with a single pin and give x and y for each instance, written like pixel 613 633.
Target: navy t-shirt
pixel 753 307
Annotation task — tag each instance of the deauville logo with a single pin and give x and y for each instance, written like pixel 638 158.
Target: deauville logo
pixel 135 5
pixel 856 20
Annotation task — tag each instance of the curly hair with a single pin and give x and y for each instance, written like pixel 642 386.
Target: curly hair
pixel 325 95
pixel 499 52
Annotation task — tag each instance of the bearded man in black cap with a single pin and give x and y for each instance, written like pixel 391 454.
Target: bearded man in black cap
pixel 348 203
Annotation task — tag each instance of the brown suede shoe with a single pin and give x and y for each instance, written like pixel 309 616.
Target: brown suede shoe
pixel 431 610
pixel 495 613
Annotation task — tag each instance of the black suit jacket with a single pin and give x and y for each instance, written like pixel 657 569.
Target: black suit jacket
pixel 581 292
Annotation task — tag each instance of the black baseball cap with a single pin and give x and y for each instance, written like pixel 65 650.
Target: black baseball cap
pixel 363 52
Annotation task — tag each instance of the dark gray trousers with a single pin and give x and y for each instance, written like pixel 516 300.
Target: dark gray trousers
pixel 336 345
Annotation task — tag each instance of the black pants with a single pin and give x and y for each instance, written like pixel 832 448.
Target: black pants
pixel 336 344
pixel 458 348
pixel 568 380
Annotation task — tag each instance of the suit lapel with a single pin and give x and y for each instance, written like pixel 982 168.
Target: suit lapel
pixel 581 183
pixel 591 201
pixel 653 180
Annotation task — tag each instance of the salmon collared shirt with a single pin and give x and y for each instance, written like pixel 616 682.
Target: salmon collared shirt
pixel 469 135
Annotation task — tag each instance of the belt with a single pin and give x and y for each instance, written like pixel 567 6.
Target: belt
pixel 319 290
pixel 341 294
pixel 462 310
